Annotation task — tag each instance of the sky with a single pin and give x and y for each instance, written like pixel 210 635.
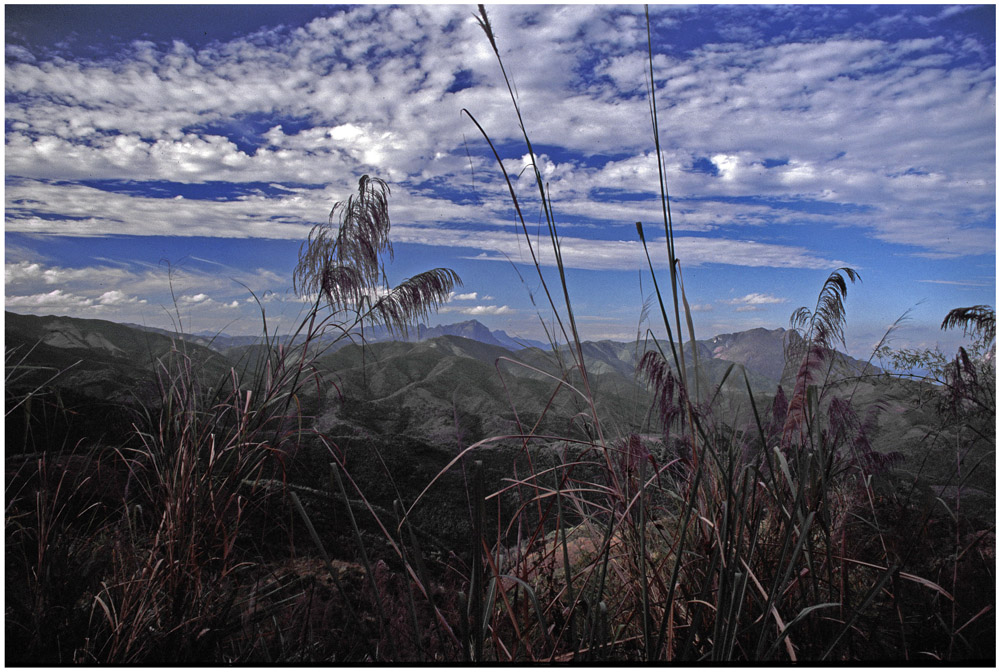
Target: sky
pixel 165 160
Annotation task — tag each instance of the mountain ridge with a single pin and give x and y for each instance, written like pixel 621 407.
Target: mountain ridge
pixel 471 329
pixel 759 350
pixel 427 387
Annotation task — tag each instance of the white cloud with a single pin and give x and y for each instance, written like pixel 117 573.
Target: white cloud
pixel 117 297
pixel 958 283
pixel 756 299
pixel 477 310
pixel 38 274
pixel 896 137
pixel 142 292
pixel 727 165
pixel 753 302
pixel 158 113
pixel 291 216
pixel 625 254
pixel 57 298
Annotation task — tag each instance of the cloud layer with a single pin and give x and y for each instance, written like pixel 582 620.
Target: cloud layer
pixel 794 138
pixel 902 130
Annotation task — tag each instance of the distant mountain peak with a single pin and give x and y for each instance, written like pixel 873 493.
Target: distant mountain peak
pixel 476 331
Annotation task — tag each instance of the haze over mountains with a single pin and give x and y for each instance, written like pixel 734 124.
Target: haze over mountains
pixel 447 389
pixel 760 351
pixel 470 329
pixel 430 382
pixel 432 371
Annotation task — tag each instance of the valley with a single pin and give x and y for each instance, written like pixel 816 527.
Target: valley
pixel 412 429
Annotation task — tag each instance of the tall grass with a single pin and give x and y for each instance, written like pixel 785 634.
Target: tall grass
pixel 168 561
pixel 758 543
pixel 695 539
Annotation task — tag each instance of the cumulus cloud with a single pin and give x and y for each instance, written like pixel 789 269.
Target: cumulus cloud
pixel 116 297
pixel 756 299
pixel 197 298
pixel 753 302
pixel 283 107
pixel 57 298
pixel 142 292
pixel 761 151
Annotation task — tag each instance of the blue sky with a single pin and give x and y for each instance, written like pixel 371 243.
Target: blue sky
pixel 198 145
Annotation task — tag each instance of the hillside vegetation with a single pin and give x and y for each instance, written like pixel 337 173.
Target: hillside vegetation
pixel 394 417
pixel 178 500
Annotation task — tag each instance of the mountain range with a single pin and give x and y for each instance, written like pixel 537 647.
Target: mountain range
pixel 427 381
pixel 760 351
pixel 470 329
